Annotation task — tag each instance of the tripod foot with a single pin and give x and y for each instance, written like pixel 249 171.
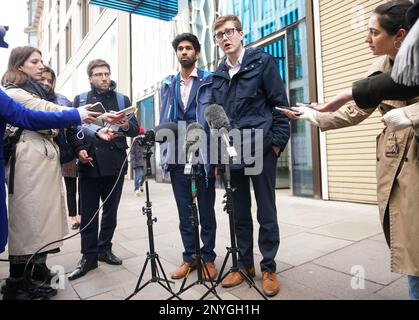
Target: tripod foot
pixel 156 268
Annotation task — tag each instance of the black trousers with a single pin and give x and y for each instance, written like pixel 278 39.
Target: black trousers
pixel 92 190
pixel 71 190
pixel 264 189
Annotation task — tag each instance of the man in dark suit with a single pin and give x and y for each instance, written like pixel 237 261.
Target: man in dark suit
pixel 99 164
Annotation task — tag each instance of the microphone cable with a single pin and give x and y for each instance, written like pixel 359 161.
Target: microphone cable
pixel 81 230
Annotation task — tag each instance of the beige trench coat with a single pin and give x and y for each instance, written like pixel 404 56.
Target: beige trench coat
pixel 37 209
pixel 397 176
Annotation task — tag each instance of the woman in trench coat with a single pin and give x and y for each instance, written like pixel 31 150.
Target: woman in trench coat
pixel 37 207
pixel 397 152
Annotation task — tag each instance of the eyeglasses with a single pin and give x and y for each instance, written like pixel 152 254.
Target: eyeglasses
pixel 102 74
pixel 228 32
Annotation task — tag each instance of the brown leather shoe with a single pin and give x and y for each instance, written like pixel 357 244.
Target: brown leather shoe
pixel 183 270
pixel 235 278
pixel 270 283
pixel 211 270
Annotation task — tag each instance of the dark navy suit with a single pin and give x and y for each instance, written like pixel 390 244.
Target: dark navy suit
pixel 249 98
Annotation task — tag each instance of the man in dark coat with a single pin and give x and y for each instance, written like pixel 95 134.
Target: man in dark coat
pixel 99 166
pixel 248 86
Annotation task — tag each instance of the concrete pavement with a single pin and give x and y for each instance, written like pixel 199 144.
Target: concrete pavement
pixel 329 250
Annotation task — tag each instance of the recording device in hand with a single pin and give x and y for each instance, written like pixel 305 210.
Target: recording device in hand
pixel 128 111
pixel 296 113
pixel 95 107
pixel 218 120
pixel 195 134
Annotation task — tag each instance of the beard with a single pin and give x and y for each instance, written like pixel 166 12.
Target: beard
pixel 187 64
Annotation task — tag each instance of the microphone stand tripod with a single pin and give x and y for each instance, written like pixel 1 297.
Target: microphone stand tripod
pixel 198 259
pixel 233 250
pixel 152 255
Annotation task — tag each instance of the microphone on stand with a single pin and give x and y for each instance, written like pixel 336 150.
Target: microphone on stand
pixel 218 120
pixel 159 134
pixel 195 134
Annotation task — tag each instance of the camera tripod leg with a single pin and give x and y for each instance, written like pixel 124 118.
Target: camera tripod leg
pixel 200 281
pixel 251 283
pixel 220 277
pixel 164 274
pixel 155 278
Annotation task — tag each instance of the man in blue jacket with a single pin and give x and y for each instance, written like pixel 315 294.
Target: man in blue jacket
pixel 184 98
pixel 248 86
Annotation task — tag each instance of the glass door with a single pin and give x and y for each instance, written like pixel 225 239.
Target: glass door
pixel 290 52
pixel 278 49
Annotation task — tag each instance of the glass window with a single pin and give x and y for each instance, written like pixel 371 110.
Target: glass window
pixel 301 148
pixel 261 18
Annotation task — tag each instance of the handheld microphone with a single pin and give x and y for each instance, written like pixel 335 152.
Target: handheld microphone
pixel 160 133
pixel 194 136
pixel 218 120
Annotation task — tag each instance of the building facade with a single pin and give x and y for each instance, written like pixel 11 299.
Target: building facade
pixel 318 46
pixel 348 155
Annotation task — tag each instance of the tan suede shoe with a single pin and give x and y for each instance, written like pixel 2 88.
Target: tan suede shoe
pixel 235 278
pixel 183 270
pixel 211 270
pixel 270 283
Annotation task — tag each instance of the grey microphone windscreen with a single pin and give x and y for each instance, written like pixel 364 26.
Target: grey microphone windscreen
pixel 194 132
pixel 216 117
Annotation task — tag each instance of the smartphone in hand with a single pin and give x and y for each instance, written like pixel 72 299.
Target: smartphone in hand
pixel 295 113
pixel 127 111
pixel 96 107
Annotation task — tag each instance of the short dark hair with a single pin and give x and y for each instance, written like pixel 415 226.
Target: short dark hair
pixel 96 63
pixel 392 15
pixel 187 37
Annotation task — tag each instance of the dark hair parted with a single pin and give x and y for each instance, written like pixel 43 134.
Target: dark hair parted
pixel 95 64
pixel 17 58
pixel 187 37
pixel 392 15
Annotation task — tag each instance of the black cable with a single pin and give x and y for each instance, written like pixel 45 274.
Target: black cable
pixel 91 220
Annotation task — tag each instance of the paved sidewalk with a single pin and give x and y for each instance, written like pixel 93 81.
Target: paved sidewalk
pixel 325 247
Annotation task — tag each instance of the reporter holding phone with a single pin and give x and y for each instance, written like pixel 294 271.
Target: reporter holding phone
pixel 101 156
pixel 37 213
